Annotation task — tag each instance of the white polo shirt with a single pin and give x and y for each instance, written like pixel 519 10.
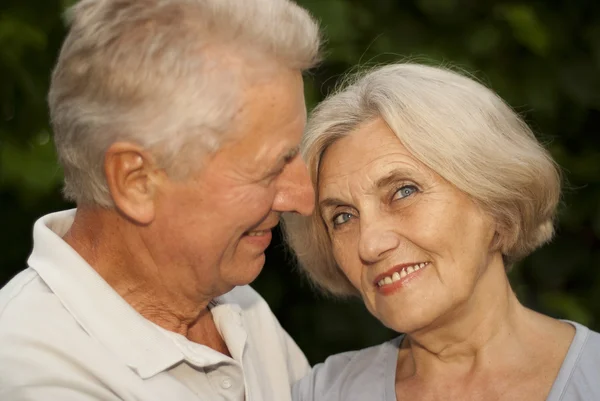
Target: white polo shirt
pixel 66 335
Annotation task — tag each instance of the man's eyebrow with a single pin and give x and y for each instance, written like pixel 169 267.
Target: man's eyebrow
pixel 291 154
pixel 285 159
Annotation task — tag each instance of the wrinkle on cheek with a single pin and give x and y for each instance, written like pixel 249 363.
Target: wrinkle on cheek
pixel 247 195
pixel 345 252
pixel 236 175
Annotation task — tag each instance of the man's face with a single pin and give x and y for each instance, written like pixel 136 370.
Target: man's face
pixel 213 228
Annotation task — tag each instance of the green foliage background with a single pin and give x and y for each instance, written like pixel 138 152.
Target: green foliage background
pixel 542 57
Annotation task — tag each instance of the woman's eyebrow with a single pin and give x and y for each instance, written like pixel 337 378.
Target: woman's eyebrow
pixel 393 176
pixel 330 202
pixel 384 182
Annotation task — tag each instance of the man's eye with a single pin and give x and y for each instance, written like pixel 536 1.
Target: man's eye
pixel 341 218
pixel 405 191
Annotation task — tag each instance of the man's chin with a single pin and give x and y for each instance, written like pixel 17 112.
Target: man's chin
pixel 250 270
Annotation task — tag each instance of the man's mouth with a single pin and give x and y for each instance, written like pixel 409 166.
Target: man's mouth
pixel 257 233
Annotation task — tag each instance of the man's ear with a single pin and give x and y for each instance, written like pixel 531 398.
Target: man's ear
pixel 130 175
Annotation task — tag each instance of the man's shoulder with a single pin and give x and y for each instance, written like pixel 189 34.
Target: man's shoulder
pixel 36 332
pixel 31 312
pixel 26 294
pixel 247 298
pixel 15 287
pixel 244 295
pixel 253 309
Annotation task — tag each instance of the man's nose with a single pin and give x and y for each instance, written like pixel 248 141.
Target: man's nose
pixel 295 191
pixel 377 240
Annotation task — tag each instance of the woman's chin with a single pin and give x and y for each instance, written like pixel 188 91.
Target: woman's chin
pixel 403 321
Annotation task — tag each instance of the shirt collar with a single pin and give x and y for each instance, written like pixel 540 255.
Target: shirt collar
pixel 100 311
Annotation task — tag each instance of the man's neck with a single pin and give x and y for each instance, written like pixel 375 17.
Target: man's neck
pixel 106 241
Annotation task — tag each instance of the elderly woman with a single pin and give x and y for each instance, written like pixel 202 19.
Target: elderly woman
pixel 429 188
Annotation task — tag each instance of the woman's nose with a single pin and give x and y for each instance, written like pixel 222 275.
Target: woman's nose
pixel 376 241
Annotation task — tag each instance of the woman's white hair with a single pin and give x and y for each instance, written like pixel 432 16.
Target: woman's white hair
pixel 154 72
pixel 457 127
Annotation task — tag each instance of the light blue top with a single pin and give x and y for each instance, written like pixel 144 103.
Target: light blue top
pixel 369 374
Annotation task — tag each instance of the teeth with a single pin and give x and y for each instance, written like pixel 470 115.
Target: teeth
pixel 256 233
pixel 394 277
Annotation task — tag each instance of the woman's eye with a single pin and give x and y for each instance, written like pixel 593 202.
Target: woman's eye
pixel 405 191
pixel 341 218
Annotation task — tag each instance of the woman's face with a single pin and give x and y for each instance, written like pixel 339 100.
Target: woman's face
pixel 410 242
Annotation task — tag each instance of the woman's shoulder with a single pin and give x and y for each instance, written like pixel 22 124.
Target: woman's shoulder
pixel 578 376
pixel 354 375
pixel 588 355
pixel 584 352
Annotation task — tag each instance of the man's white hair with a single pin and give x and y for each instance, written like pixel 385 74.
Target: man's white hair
pixel 155 72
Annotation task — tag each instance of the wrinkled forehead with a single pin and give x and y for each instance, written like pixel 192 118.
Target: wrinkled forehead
pixel 365 157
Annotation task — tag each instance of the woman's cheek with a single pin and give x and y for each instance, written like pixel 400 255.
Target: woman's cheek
pixel 340 254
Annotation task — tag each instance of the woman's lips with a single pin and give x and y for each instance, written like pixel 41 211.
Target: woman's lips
pixel 397 275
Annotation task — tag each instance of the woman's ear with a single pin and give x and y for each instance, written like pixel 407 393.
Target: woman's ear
pixel 504 239
pixel 129 171
pixel 496 242
pixel 500 238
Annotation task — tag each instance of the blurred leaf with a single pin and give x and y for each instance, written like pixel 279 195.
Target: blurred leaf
pixel 68 3
pixel 593 35
pixel 581 81
pixel 438 8
pixel 596 222
pixel 526 27
pixel 310 93
pixel 17 35
pixel 583 166
pixel 566 306
pixel 339 25
pixel 33 169
pixel 484 39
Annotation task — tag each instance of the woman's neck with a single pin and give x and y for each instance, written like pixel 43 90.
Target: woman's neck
pixel 491 326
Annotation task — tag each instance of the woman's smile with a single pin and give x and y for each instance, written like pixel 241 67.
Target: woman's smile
pixel 399 229
pixel 398 277
pixel 428 189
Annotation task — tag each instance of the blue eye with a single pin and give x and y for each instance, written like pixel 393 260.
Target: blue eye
pixel 341 218
pixel 405 191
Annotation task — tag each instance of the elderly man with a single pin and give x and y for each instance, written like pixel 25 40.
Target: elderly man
pixel 177 124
